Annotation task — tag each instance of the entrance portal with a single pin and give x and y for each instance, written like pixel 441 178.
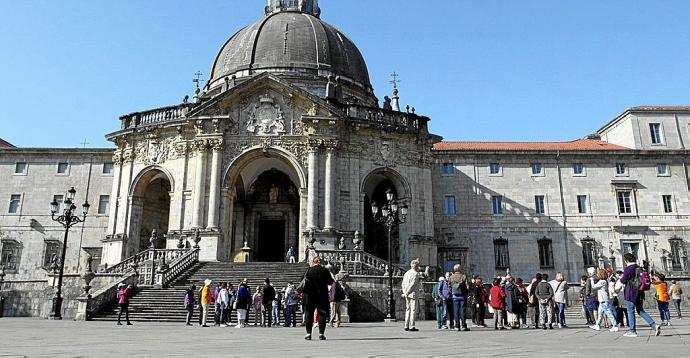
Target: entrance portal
pixel 271 246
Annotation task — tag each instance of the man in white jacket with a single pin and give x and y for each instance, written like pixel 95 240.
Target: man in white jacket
pixel 412 282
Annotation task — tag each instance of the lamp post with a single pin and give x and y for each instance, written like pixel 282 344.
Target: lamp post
pixel 67 220
pixel 391 214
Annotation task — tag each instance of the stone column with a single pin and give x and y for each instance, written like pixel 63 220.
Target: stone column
pixel 214 195
pixel 313 189
pixel 199 184
pixel 329 193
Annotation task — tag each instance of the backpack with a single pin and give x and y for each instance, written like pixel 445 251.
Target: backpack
pixel 641 281
pixel 459 288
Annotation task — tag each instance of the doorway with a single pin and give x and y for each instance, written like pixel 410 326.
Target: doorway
pixel 271 247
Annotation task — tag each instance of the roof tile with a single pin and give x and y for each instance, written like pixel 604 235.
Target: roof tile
pixel 580 144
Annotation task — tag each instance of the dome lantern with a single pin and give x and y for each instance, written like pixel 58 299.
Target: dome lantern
pixel 304 6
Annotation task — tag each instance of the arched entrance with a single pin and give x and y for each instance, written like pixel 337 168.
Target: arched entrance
pixel 150 209
pixel 374 189
pixel 265 205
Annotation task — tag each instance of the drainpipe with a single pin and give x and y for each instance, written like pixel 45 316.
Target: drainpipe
pixel 563 216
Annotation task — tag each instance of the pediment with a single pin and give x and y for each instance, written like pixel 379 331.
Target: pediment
pixel 264 106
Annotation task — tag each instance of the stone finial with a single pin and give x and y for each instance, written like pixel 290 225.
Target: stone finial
pixel 197 238
pixel 181 242
pixel 88 275
pixel 341 243
pixel 387 103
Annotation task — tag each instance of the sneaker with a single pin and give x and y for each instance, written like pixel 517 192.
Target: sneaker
pixel 406 329
pixel 465 329
pixel 238 326
pixel 595 327
pixel 613 329
pixel 444 327
pixel 223 325
pixel 630 334
pixel 657 330
pixel 322 337
pixel 413 329
pixel 308 337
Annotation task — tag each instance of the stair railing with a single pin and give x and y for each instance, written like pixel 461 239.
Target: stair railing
pixel 166 275
pixel 358 262
pixel 127 264
pixel 92 304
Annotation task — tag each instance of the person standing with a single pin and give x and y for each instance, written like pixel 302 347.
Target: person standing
pixel 449 305
pixel 242 303
pixel 189 303
pixel 123 294
pixel 676 296
pixel 206 300
pixel 497 300
pixel 440 294
pixel 533 302
pixel 662 298
pixel 268 294
pixel 336 294
pixel 290 305
pixel 290 255
pixel 315 296
pixel 257 301
pixel 601 287
pixel 459 288
pixel 635 280
pixel 545 295
pixel 524 298
pixel 222 301
pixel 232 296
pixel 480 302
pixel 560 295
pixel 411 284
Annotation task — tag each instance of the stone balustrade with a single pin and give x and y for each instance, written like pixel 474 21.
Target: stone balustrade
pixel 357 262
pixel 155 116
pixel 393 120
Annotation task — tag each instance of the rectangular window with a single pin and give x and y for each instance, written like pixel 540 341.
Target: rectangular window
pixel 582 206
pixel 9 256
pixel 52 252
pixel 662 170
pixel 15 200
pixel 536 169
pixel 494 168
pixel 449 205
pixel 497 204
pixel 655 132
pixel 545 253
pixel 501 255
pixel 448 169
pixel 20 168
pixel 539 204
pixel 107 168
pixel 624 202
pixel 63 168
pixel 449 257
pixel 103 204
pixel 589 252
pixel 621 169
pixel 578 169
pixel 668 203
pixel 676 254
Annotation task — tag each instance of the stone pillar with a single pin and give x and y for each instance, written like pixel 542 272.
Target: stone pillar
pixel 214 195
pixel 313 189
pixel 329 193
pixel 199 185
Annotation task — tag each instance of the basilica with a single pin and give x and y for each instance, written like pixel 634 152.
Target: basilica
pixel 287 146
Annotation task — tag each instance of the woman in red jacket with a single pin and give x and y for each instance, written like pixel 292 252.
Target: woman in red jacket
pixel 498 303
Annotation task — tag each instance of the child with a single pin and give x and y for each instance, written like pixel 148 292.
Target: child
pixel 662 298
pixel 498 303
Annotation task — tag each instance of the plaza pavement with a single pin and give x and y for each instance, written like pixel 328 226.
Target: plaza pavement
pixel 41 338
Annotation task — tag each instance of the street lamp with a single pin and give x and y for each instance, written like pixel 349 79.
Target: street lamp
pixel 67 220
pixel 392 214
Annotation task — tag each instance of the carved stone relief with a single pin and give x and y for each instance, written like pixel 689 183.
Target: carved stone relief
pixel 266 118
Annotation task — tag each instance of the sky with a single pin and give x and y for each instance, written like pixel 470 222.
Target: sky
pixel 482 70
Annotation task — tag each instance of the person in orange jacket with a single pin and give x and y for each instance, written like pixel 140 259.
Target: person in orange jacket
pixel 206 299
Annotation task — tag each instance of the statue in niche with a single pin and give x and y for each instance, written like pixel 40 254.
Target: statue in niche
pixel 273 194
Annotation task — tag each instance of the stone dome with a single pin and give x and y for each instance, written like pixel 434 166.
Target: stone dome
pixel 292 42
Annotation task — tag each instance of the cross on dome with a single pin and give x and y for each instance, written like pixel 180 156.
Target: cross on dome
pixel 304 6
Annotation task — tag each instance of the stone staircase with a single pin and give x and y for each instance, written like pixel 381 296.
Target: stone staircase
pixel 165 305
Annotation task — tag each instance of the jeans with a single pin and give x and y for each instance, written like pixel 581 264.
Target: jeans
pixel 221 316
pixel 190 313
pixel 275 315
pixel 606 307
pixel 640 310
pixel 449 312
pixel 441 314
pixel 290 316
pixel 459 311
pixel 560 318
pixel 676 304
pixel 664 311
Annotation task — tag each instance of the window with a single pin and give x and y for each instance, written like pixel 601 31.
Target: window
pixel 103 204
pixel 448 169
pixel 501 255
pixel 578 169
pixel 52 252
pixel 545 253
pixel 449 205
pixel 667 200
pixel 107 168
pixel 539 204
pixel 624 202
pixel 537 169
pixel 15 200
pixel 621 169
pixel 494 168
pixel 9 256
pixel 449 257
pixel 655 131
pixel 20 168
pixel 497 204
pixel 676 244
pixel 662 170
pixel 582 206
pixel 63 168
pixel 589 252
